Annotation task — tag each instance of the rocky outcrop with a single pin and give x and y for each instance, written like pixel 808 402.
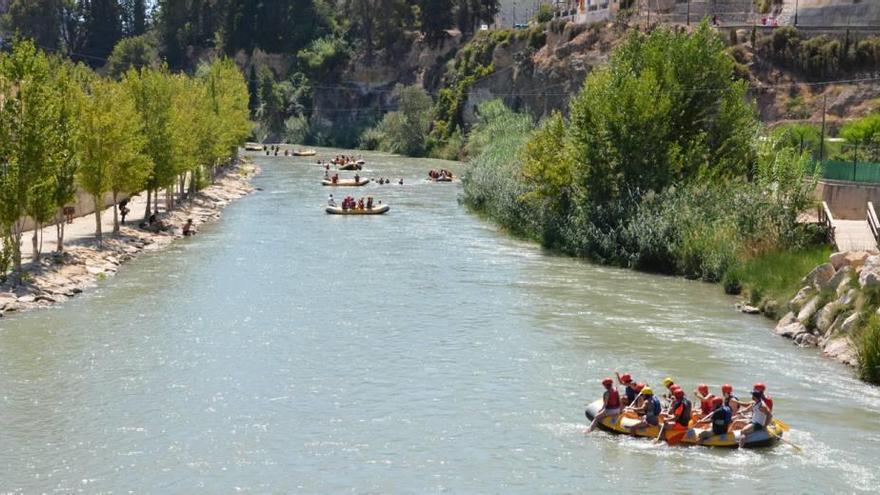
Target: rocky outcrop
pixel 58 277
pixel 828 308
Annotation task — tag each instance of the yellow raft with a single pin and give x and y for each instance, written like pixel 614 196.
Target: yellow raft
pixel 376 210
pixel 304 152
pixel 620 423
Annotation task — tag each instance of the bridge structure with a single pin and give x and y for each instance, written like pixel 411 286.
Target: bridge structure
pixel 851 235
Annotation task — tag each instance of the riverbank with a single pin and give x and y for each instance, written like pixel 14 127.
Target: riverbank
pixel 58 277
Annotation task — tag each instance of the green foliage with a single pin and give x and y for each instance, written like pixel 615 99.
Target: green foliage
pixel 323 55
pixel 5 256
pixel 776 275
pixel 436 16
pixel 110 145
pixel 472 63
pixel 404 131
pixel 543 14
pixel 821 56
pixel 800 136
pixel 296 129
pixel 650 171
pixel 868 348
pixel 137 52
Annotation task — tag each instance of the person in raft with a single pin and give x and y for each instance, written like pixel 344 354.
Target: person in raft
pixel 762 414
pixel 610 403
pixel 702 393
pixel 630 391
pixel 678 416
pixel 357 178
pixel 189 229
pixel 648 409
pixel 721 418
pixel 731 400
pixel 331 201
pixel 669 384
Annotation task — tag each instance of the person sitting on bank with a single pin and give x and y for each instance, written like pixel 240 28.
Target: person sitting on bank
pixel 721 418
pixel 649 409
pixel 610 403
pixel 189 229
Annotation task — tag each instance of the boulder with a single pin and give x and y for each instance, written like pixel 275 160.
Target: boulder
pixel 838 260
pixel 801 298
pixel 4 300
pixel 27 299
pixel 825 317
pixel 789 326
pixel 841 349
pixel 747 309
pixel 808 310
pixel 870 273
pixel 806 339
pixel 820 275
pixel 848 298
pixel 856 259
pixel 849 324
pixel 840 280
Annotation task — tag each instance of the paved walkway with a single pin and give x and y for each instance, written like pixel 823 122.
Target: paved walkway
pixel 82 230
pixel 854 235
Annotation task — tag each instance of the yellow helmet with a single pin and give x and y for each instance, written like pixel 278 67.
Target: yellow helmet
pixel 667 381
pixel 647 391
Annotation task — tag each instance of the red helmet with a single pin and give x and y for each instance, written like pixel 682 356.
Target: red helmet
pixel 607 382
pixel 726 388
pixel 717 401
pixel 678 393
pixel 759 387
pixel 638 387
pixel 703 388
pixel 626 378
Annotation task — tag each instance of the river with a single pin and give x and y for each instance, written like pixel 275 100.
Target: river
pixel 283 349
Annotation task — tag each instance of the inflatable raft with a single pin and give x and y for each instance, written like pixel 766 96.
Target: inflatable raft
pixel 350 166
pixel 346 182
pixel 376 210
pixel 253 147
pixel 619 423
pixel 304 152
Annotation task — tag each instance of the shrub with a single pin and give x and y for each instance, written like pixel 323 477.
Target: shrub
pixel 404 131
pixel 296 129
pixel 868 348
pixel 323 55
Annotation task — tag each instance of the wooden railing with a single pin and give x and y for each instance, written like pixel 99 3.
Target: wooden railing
pixel 873 222
pixel 826 219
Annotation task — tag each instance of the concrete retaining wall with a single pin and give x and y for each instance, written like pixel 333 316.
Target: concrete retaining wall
pixel 848 200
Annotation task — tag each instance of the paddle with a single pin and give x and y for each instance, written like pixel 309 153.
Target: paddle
pixel 783 426
pixel 795 446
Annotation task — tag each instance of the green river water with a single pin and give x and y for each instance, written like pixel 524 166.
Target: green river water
pixel 286 350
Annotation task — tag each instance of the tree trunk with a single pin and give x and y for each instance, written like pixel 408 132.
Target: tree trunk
pixel 98 234
pixel 35 253
pixel 115 214
pixel 147 213
pixel 59 231
pixel 16 251
pixel 156 201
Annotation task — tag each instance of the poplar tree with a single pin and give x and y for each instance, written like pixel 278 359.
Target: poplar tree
pixel 110 146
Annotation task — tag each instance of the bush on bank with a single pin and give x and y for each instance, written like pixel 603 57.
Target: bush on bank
pixel 660 166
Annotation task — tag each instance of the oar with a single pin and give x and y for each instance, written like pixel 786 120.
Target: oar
pixel 782 425
pixel 795 446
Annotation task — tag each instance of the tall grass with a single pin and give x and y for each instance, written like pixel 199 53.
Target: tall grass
pixel 776 275
pixel 868 346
